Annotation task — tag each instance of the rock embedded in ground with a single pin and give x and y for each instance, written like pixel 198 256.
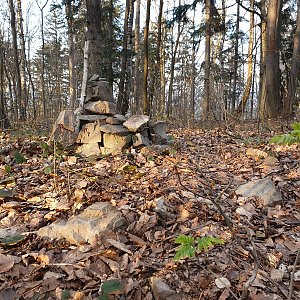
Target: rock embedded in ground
pixel 136 123
pixel 264 189
pixel 161 290
pixel 101 107
pixel 89 149
pixel 85 227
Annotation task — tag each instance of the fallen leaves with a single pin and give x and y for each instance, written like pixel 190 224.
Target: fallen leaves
pixel 145 187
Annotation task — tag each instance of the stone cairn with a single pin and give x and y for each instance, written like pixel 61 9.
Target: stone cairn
pixel 99 129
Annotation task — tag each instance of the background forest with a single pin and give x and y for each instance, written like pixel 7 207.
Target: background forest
pixel 179 60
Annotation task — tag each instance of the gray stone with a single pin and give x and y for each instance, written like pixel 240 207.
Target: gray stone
pixel 161 290
pixel 92 118
pixel 114 121
pixel 116 142
pixel 85 227
pixel 140 140
pixel 116 129
pixel 101 107
pixel 89 149
pixel 264 189
pixel 64 128
pixel 158 132
pixel 136 122
pixel 98 89
pixel 90 133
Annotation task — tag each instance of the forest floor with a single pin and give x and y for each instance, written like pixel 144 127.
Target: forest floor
pixel 201 165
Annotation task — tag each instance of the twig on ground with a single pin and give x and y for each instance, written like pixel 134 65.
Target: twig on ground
pixel 292 275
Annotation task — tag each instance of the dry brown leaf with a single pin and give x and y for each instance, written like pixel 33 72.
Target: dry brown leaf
pixel 6 262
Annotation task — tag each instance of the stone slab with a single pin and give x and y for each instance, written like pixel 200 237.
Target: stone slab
pixel 85 227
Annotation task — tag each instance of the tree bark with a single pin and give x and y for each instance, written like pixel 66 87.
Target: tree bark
pixel 206 96
pixel 23 61
pixel 263 51
pixel 93 12
pixel 295 68
pixel 146 103
pixel 16 59
pixel 236 57
pixel 273 108
pixel 71 50
pixel 43 57
pixel 137 73
pixel 247 90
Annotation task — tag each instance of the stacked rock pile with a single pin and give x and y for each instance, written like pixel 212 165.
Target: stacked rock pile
pixel 102 130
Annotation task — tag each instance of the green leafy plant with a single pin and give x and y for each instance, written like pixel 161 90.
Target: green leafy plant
pixel 19 157
pixel 108 287
pixel 189 246
pixel 288 138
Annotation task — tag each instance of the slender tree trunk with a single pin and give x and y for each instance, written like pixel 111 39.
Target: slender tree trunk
pixel 263 51
pixel 137 73
pixel 110 75
pixel 247 90
pixel 123 76
pixel 16 59
pixel 193 75
pixel 43 57
pixel 273 98
pixel 146 103
pixel 23 80
pixel 4 121
pixel 236 57
pixel 295 68
pixel 72 74
pixel 173 62
pixel 206 96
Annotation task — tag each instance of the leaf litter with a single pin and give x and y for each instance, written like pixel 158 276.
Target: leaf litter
pixel 162 193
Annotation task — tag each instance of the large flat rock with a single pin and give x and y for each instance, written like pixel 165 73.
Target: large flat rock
pixel 136 122
pixel 264 189
pixel 84 227
pixel 101 107
pixel 115 129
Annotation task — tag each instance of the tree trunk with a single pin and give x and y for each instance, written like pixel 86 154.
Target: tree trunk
pixel 137 73
pixel 4 121
pixel 70 33
pixel 273 99
pixel 236 57
pixel 173 62
pixel 263 51
pixel 122 96
pixel 206 96
pixel 146 103
pixel 93 11
pixel 43 58
pixel 16 59
pixel 24 99
pixel 295 67
pixel 247 90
